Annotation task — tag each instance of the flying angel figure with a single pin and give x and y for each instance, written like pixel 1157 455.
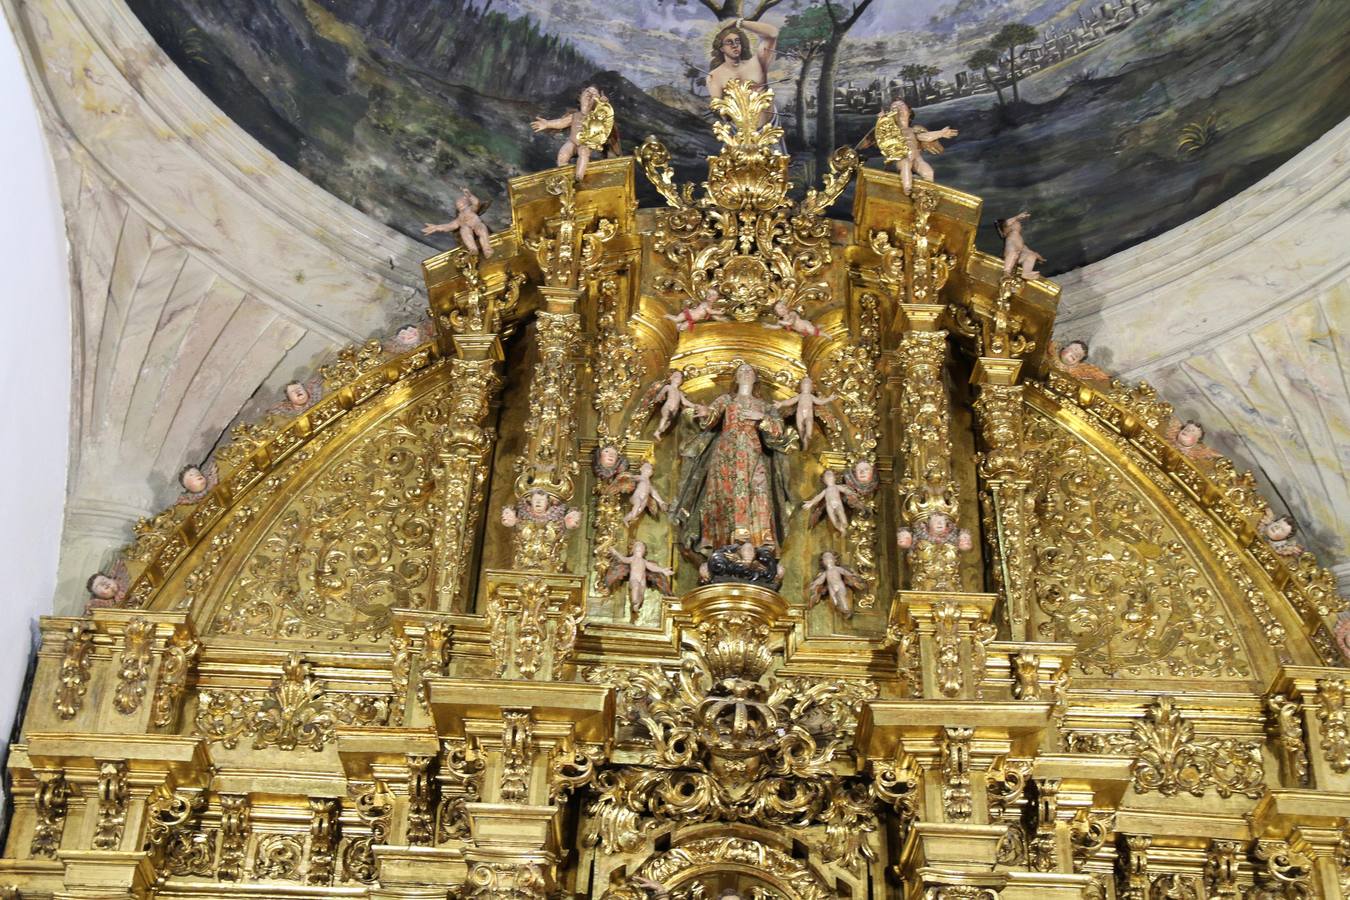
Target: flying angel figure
pixel 645 497
pixel 805 404
pixel 639 572
pixel 835 582
pixel 669 398
pixel 474 236
pixel 831 502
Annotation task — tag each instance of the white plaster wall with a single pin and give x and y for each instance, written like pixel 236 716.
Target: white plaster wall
pixel 34 374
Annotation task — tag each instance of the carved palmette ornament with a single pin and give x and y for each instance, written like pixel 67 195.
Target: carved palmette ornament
pixel 297 710
pixel 1171 758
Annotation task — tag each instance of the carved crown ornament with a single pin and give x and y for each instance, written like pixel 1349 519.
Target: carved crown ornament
pixel 975 625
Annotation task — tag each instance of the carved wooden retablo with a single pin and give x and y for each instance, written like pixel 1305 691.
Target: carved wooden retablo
pixel 419 640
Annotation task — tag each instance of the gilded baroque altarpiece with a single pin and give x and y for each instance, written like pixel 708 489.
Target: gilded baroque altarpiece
pixel 345 672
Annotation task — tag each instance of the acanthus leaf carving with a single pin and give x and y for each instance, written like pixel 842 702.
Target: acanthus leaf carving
pixel 296 710
pixel 134 668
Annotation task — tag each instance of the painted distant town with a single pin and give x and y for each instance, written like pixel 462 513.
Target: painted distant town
pixel 921 84
pixel 1111 121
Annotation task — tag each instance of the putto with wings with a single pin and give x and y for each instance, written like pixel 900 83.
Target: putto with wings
pixel 639 572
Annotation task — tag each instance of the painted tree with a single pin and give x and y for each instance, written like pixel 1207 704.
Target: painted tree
pixel 803 37
pixel 929 73
pixel 1009 38
pixel 843 16
pixel 912 72
pixel 984 60
pixel 732 9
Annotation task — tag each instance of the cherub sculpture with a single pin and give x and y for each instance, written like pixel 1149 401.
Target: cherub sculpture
pixel 791 320
pixel 830 502
pixel 1188 437
pixel 834 581
pixel 299 396
pixel 670 399
pixel 937 529
pixel 538 506
pixel 644 497
pixel 702 311
pixel 473 234
pixel 1015 250
pixel 639 572
pixel 903 144
pixel 408 336
pixel 611 468
pixel 804 402
pixel 108 589
pixel 742 562
pixel 1072 358
pixel 862 478
pixel 197 482
pixel 590 129
pixel 1279 534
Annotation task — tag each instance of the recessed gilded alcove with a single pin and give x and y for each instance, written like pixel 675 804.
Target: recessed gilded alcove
pixel 390 653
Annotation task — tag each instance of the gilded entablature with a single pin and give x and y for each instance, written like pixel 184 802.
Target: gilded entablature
pixel 717 550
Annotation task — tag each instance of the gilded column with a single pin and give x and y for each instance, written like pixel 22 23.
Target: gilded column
pixel 464 445
pixel 927 491
pixel 1006 497
pixel 616 374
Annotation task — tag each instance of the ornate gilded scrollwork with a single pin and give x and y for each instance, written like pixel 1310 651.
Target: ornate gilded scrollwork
pixel 421 799
pixel 323 839
pixel 506 881
pixel 50 804
pixel 743 239
pixel 1335 729
pixel 782 873
pixel 336 565
pixel 74 670
pixel 729 745
pixel 1282 873
pixel 374 806
pixel 957 801
pixel 1221 868
pixel 172 833
pixel 113 794
pixel 460 470
pixel 134 669
pixel 461 783
pixel 297 710
pixel 175 670
pixel 1170 758
pixel 279 857
pixel 235 828
pixel 1287 721
pixel 517 754
pixel 1112 575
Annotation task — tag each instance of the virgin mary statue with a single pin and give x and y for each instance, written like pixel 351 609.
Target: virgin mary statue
pixel 734 472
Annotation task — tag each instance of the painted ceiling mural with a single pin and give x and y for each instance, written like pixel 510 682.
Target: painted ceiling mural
pixel 1110 120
